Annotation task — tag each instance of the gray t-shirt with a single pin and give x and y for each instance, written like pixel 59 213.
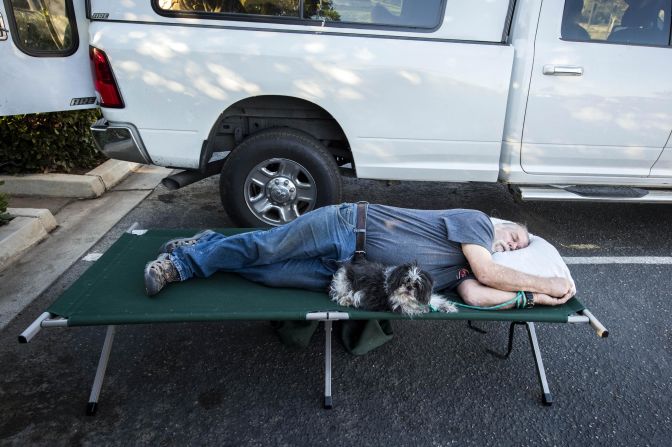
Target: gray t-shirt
pixel 433 238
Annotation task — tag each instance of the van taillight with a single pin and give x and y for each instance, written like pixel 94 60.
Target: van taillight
pixel 106 86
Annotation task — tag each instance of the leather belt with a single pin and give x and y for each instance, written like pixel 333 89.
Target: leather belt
pixel 360 230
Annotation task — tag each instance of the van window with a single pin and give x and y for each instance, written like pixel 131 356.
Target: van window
pixel 404 13
pixel 43 27
pixel 640 22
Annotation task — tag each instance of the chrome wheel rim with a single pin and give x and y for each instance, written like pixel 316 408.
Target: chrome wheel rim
pixel 279 190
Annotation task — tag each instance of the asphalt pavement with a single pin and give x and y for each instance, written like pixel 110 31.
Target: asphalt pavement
pixel 233 383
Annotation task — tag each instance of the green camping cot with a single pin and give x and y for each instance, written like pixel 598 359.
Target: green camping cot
pixel 111 292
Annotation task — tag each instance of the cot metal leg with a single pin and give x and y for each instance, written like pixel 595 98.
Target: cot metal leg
pixel 510 345
pixel 92 406
pixel 546 396
pixel 475 328
pixel 328 404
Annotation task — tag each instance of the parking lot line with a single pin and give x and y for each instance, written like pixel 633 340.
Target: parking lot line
pixel 653 260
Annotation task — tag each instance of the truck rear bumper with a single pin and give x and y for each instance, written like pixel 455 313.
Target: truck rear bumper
pixel 120 141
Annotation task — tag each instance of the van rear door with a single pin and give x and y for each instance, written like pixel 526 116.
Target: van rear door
pixel 44 56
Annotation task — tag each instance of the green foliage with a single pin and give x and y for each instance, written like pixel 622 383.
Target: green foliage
pixel 321 10
pixel 600 17
pixel 4 216
pixel 272 8
pixel 606 13
pixel 313 8
pixel 48 142
pixel 263 7
pixel 206 5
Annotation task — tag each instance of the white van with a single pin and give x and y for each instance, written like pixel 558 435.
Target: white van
pixel 562 100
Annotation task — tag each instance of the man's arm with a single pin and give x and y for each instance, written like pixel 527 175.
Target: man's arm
pixel 474 293
pixel 499 277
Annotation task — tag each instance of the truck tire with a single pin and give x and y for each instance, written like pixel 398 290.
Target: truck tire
pixel 276 175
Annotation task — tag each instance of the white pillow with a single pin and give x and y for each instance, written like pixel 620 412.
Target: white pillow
pixel 539 258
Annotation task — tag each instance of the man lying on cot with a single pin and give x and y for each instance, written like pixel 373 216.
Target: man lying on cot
pixel 454 246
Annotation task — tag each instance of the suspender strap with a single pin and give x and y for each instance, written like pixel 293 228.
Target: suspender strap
pixel 360 242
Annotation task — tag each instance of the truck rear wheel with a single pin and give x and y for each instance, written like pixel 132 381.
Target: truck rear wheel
pixel 275 176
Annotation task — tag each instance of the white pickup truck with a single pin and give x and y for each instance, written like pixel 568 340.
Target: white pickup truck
pixel 561 100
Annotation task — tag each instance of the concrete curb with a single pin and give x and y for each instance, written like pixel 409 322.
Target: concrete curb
pixel 29 227
pixel 81 224
pixel 88 186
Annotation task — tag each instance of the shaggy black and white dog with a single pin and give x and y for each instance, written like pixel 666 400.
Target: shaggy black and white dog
pixel 406 288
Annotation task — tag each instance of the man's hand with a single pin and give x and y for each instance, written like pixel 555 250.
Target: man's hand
pixel 545 300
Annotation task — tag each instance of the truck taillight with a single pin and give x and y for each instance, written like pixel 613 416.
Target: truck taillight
pixel 103 77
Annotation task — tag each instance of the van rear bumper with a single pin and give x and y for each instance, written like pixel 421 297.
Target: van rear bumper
pixel 120 141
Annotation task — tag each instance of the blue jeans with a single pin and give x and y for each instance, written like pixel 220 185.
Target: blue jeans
pixel 304 253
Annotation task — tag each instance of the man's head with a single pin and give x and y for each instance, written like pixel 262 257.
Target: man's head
pixel 510 236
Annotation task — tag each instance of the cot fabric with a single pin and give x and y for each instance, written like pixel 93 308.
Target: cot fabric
pixel 112 291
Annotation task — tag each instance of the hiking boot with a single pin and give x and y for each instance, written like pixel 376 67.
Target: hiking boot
pixel 158 273
pixel 172 244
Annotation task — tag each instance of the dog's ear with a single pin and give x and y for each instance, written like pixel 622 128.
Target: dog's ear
pixel 423 287
pixel 397 276
pixel 427 276
pixel 427 282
